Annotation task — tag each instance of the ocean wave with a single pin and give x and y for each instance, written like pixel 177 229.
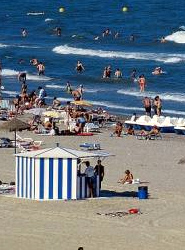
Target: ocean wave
pixel 3 45
pixel 160 57
pixel 54 86
pixel 9 72
pixel 35 13
pixel 176 97
pixel 177 37
pixel 48 19
pixel 12 73
pixel 182 27
pixel 10 93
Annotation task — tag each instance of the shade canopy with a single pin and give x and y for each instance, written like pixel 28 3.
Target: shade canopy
pixel 82 103
pixel 64 153
pixel 14 124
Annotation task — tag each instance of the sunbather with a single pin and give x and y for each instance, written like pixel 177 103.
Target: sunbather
pixel 118 129
pixel 128 178
pixel 130 130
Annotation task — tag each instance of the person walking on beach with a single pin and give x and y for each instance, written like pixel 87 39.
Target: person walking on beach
pixel 147 105
pixel 81 91
pixel 99 170
pixel 142 83
pixel 41 68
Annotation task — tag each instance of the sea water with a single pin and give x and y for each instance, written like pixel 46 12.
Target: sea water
pixel 81 23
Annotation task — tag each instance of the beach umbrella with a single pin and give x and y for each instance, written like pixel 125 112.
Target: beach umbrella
pixel 53 114
pixel 14 125
pixel 82 103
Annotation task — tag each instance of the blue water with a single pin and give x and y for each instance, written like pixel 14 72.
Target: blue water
pixel 81 22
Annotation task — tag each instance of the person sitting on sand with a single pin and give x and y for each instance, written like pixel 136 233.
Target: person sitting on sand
pixel 118 129
pixel 128 178
pixel 130 130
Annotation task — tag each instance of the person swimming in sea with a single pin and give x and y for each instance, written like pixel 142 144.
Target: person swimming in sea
pixel 24 32
pixel 79 67
pixel 118 73
pixel 68 87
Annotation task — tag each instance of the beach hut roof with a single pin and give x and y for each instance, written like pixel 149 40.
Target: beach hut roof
pixel 62 153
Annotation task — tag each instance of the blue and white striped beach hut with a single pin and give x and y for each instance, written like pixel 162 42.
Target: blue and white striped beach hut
pixel 51 174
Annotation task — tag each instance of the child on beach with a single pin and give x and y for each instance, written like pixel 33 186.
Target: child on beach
pixel 128 178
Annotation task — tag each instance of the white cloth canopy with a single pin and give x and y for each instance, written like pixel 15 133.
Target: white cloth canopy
pixel 62 153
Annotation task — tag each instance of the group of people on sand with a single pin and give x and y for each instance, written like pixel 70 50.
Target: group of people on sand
pixel 155 103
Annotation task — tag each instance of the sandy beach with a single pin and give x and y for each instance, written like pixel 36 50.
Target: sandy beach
pixel 27 224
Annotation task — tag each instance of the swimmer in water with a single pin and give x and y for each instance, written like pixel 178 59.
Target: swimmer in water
pixel 68 87
pixel 142 83
pixel 118 73
pixel 22 77
pixel 133 75
pixel 157 71
pixel 79 67
pixel 34 61
pixel 163 40
pixel 41 68
pixel 24 33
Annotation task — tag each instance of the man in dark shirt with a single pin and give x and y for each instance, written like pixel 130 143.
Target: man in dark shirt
pixel 99 170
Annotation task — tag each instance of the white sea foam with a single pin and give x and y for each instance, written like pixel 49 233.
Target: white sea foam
pixel 9 72
pixel 35 13
pixel 12 73
pixel 10 93
pixel 55 86
pixel 182 27
pixel 3 45
pixel 48 19
pixel 37 78
pixel 176 97
pixel 160 57
pixel 177 37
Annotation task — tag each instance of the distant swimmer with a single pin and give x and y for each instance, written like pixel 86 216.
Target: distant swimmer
pixel 22 77
pixel 41 68
pixel 34 61
pixel 106 32
pixel 132 38
pixel 118 73
pixel 58 31
pixel 24 32
pixel 68 87
pixel 96 38
pixel 133 75
pixel 81 91
pixel 163 40
pixel 142 83
pixel 116 35
pixel 107 72
pixel 79 67
pixel 158 71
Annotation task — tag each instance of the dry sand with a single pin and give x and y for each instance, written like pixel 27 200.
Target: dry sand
pixel 66 225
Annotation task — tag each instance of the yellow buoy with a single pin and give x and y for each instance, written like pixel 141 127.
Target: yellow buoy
pixel 125 9
pixel 61 9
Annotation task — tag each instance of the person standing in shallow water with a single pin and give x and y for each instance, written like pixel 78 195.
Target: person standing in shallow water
pixel 147 105
pixel 142 83
pixel 79 67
